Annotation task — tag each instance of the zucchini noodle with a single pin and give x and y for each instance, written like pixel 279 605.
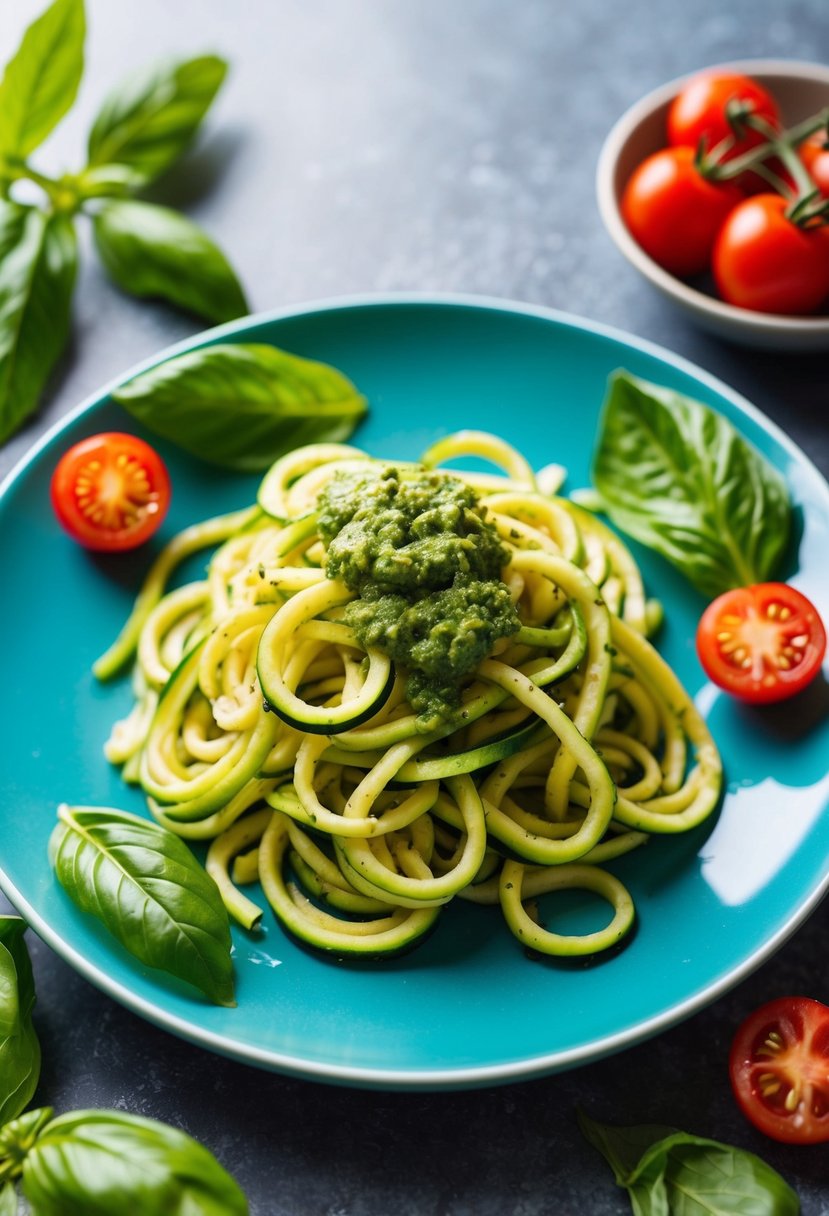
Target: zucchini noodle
pixel 571 742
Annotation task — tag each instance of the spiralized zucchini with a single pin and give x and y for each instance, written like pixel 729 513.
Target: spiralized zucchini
pixel 572 743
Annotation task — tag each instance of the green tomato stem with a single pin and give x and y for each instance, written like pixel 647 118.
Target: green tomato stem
pixel 806 207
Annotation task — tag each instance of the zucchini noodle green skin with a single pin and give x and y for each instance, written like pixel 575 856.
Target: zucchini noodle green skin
pixel 263 726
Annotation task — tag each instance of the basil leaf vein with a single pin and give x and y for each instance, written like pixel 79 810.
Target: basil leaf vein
pixel 146 887
pixel 243 405
pixel 94 1163
pixel 678 477
pixel 41 80
pixel 19 1045
pixel 148 121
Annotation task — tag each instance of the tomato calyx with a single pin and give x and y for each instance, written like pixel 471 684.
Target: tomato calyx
pixel 779 1070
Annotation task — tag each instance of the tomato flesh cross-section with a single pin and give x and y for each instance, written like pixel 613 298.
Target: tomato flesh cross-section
pixel 779 1069
pixel 761 643
pixel 110 491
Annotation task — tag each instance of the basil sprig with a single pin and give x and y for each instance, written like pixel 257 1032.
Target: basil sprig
pixel 146 886
pixel 669 1171
pixel 678 477
pixel 88 1162
pixel 243 405
pixel 141 129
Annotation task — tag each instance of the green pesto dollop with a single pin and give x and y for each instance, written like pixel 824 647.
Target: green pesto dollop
pixel 426 566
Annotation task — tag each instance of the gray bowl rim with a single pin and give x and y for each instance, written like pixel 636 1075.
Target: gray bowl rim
pixel 730 315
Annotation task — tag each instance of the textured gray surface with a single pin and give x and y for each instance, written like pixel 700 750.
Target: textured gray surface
pixel 374 145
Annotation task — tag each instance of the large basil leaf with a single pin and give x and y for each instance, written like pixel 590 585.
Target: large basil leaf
pixel 150 119
pixel 145 885
pixel 42 78
pixel 94 1163
pixel 678 477
pixel 242 406
pixel 19 1046
pixel 38 260
pixel 153 251
pixel 672 1173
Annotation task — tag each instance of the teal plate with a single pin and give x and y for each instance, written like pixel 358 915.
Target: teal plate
pixel 467 1007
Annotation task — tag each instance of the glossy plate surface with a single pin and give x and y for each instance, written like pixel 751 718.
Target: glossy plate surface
pixel 467 1007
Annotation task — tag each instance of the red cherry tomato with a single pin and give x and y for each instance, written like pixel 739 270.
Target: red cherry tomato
pixel 815 156
pixel 111 491
pixel 779 1069
pixel 761 643
pixel 764 262
pixel 699 111
pixel 674 213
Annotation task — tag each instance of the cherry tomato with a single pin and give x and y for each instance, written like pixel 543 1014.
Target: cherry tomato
pixel 110 491
pixel 761 643
pixel 764 262
pixel 698 111
pixel 675 213
pixel 779 1069
pixel 815 156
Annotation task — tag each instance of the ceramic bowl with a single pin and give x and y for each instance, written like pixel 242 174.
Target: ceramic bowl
pixel 800 89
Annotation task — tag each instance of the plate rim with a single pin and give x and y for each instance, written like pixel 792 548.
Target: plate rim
pixel 444 1077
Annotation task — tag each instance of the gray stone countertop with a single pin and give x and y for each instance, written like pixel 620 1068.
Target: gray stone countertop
pixel 441 145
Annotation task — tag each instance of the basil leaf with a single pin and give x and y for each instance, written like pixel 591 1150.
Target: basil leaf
pixel 678 477
pixel 148 122
pixel 8 1200
pixel 677 1174
pixel 38 260
pixel 94 1163
pixel 242 406
pixel 42 78
pixel 153 251
pixel 19 1045
pixel 145 885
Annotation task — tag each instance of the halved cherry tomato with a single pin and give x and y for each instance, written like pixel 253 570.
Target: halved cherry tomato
pixel 674 212
pixel 111 491
pixel 763 261
pixel 761 643
pixel 779 1069
pixel 699 111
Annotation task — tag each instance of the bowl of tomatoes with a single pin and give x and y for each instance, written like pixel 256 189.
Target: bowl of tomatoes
pixel 715 187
